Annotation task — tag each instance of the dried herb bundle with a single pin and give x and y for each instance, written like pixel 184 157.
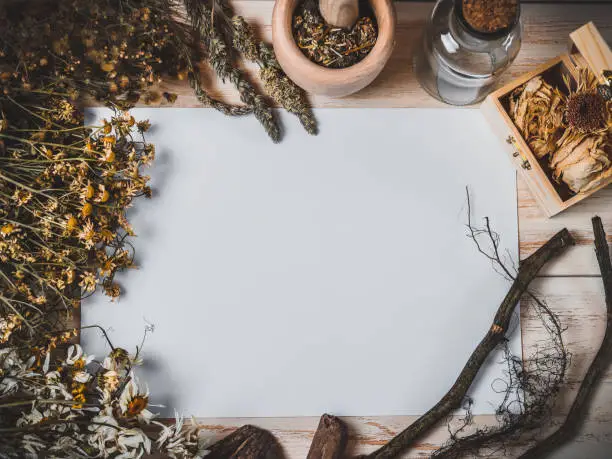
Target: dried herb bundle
pixel 574 131
pixel 224 37
pixel 330 46
pixel 278 85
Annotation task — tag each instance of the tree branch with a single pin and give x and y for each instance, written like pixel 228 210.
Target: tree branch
pixel 601 362
pixel 454 397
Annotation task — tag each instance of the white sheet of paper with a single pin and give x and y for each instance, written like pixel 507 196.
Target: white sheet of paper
pixel 322 274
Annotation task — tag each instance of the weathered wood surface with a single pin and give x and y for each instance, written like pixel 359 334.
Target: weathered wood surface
pixel 546 30
pixel 571 284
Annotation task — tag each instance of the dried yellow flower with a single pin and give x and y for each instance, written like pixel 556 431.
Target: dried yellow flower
pixel 109 155
pixel 103 195
pixel 7 229
pixel 71 223
pixel 88 281
pixel 89 191
pixel 124 81
pixel 22 197
pixel 87 209
pixel 107 66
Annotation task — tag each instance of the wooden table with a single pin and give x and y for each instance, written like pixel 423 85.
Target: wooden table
pixel 571 284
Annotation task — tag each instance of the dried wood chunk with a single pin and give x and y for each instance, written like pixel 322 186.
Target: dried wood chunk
pixel 248 442
pixel 330 439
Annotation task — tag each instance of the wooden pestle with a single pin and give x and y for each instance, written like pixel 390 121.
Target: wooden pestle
pixel 339 13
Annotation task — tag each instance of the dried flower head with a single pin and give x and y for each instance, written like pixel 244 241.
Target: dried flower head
pixel 586 111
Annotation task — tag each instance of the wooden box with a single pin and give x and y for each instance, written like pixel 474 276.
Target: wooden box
pixel 587 48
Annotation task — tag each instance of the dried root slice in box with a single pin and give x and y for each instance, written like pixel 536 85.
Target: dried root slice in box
pixel 537 110
pixel 579 160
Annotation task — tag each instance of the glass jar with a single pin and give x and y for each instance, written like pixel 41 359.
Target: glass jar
pixel 458 64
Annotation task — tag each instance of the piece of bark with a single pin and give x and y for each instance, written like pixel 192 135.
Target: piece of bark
pixel 580 407
pixel 248 442
pixel 329 440
pixel 452 400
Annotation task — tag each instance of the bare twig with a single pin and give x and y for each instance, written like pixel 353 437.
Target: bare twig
pixel 601 362
pixel 531 384
pixel 455 396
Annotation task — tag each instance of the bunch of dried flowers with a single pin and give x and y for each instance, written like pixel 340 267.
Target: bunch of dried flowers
pixel 64 192
pixel 119 51
pixel 65 188
pixel 77 406
pixel 573 130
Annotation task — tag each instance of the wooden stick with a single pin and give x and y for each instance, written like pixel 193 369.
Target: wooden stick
pixel 601 362
pixel 248 442
pixel 329 440
pixel 454 397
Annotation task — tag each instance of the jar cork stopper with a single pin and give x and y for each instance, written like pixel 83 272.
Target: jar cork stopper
pixel 490 16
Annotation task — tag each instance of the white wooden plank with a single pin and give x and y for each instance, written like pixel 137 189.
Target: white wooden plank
pixel 535 228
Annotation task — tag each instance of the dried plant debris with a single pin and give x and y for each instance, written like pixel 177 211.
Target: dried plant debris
pixel 329 46
pixel 574 131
